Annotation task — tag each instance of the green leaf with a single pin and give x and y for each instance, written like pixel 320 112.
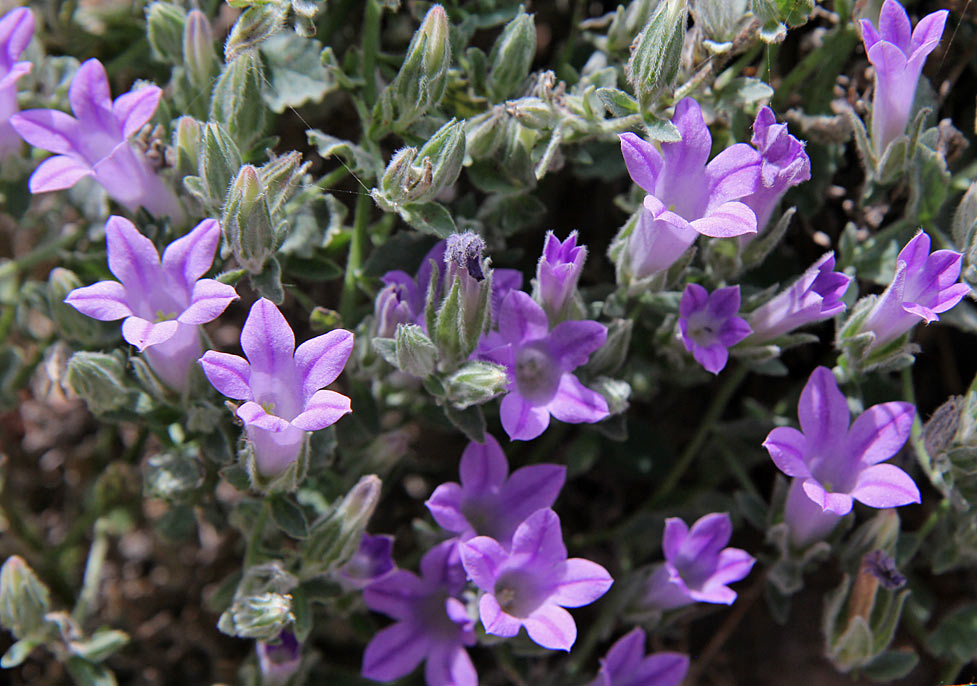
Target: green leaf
pixel 296 75
pixel 956 636
pixel 268 283
pixel 288 516
pixel 17 653
pixel 302 609
pixel 100 645
pixel 430 218
pixel 891 665
pixel 470 421
pixel 85 673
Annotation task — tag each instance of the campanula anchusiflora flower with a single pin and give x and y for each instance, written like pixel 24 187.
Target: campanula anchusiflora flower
pixel 16 31
pixel 626 664
pixel 783 164
pixel 557 273
pixel 709 324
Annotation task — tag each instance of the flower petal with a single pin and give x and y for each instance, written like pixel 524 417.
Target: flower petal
pixel 323 409
pixel 483 466
pixel 713 358
pixel 540 538
pixel 894 25
pixel 321 359
pixel 395 651
pixel 188 258
pixel 662 669
pixel 16 31
pixel 572 342
pixel 495 621
pixel 482 556
pixel 135 108
pixel 229 374
pixel 786 447
pixel 521 420
pixel 583 582
pixel 880 431
pixel 91 98
pixel 823 413
pixel 49 130
pixel 267 339
pixel 706 538
pixel 676 531
pixel 57 173
pixel 734 173
pixel 104 300
pixel 574 403
pixel 521 319
pixel 642 159
pixel 551 627
pixel 885 485
pixel 132 257
pixel 445 506
pixel 734 564
pixel 253 414
pixel 689 154
pixel 928 32
pixel 143 333
pixel 395 595
pixel 625 655
pixel 727 220
pixel 208 301
pixel 449 663
pixel 527 490
pixel 838 503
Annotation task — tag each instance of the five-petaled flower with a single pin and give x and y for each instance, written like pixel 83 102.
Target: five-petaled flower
pixel 16 30
pixel 432 624
pixel 539 364
pixel 924 286
pixel 280 384
pixel 557 273
pixel 162 301
pixel 97 142
pixel 530 584
pixel 490 501
pixel 698 567
pixel 687 197
pixel 898 52
pixel 709 325
pixel 832 464
pixel 627 665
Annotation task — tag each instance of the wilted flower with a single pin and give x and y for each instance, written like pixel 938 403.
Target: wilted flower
pixel 697 568
pixel 687 197
pixel 97 142
pixel 432 624
pixel 709 324
pixel 16 30
pixel 540 363
pixel 627 665
pixel 162 301
pixel 531 584
pixel 783 164
pixel 898 52
pixel 832 464
pixel 490 501
pixel 280 384
pixel 557 273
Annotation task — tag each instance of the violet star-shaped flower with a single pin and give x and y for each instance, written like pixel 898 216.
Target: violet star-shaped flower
pixel 530 585
pixel 162 301
pixel 490 501
pixel 539 364
pixel 814 297
pixel 372 561
pixel 280 384
pixel 698 567
pixel 432 624
pixel 783 164
pixel 924 285
pixel 898 52
pixel 97 142
pixel 687 197
pixel 709 325
pixel 16 30
pixel 626 664
pixel 833 464
pixel 557 273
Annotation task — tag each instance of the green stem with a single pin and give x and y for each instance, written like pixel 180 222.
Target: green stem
pixel 332 178
pixel 706 426
pixel 916 434
pixel 371 45
pixel 254 540
pixel 93 574
pixel 357 248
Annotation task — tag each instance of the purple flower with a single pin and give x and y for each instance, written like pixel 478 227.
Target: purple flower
pixel 626 664
pixel 539 364
pixel 281 384
pixel 278 661
pixel 96 142
pixel 924 285
pixel 814 297
pixel 372 561
pixel 489 501
pixel 393 307
pixel 783 164
pixel 557 273
pixel 687 197
pixel 833 464
pixel 432 624
pixel 531 584
pixel 697 565
pixel 16 30
pixel 898 53
pixel 162 301
pixel 709 324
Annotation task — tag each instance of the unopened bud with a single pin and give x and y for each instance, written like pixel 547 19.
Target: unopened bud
pixel 24 599
pixel 219 162
pixel 237 104
pixel 199 57
pixel 164 30
pixel 654 64
pixel 421 81
pixel 262 616
pixel 247 221
pixel 280 178
pixel 334 539
pixel 511 57
pixel 391 308
pixel 485 133
pixel 187 137
pixel 258 23
pixel 99 379
pixel 416 354
pixel 446 152
pixel 475 383
pixel 465 311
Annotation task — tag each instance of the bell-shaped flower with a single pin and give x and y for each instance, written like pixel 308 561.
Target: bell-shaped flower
pixel 432 625
pixel 162 301
pixel 557 273
pixel 531 584
pixel 281 384
pixel 814 297
pixel 97 142
pixel 627 665
pixel 687 197
pixel 833 464
pixel 539 363
pixel 489 501
pixel 924 285
pixel 783 164
pixel 898 52
pixel 709 324
pixel 698 566
pixel 372 561
pixel 16 30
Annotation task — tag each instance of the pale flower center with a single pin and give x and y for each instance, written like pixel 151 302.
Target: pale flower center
pixel 537 373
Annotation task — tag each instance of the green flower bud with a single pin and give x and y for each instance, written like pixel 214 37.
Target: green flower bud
pixel 416 354
pixel 164 29
pixel 653 67
pixel 24 599
pixel 261 617
pixel 475 383
pixel 187 136
pixel 280 177
pixel 446 151
pixel 252 28
pixel 720 20
pixel 199 57
pixel 219 162
pixel 336 536
pixel 247 221
pixel 237 104
pixel 421 81
pixel 511 57
pixel 485 133
pixel 100 379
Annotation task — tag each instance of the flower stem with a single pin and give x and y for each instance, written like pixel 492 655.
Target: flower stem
pixel 254 540
pixel 371 46
pixel 357 247
pixel 93 573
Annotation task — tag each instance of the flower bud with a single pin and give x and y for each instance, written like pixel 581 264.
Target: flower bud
pixel 199 56
pixel 464 313
pixel 262 616
pixel 416 354
pixel 252 28
pixel 485 133
pixel 511 57
pixel 446 150
pixel 391 309
pixel 237 104
pixel 187 136
pixel 73 325
pixel 334 538
pixel 720 20
pixel 164 30
pixel 24 599
pixel 475 383
pixel 219 162
pixel 278 660
pixel 247 221
pixel 421 81
pixel 280 177
pixel 100 379
pixel 557 273
pixel 654 64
